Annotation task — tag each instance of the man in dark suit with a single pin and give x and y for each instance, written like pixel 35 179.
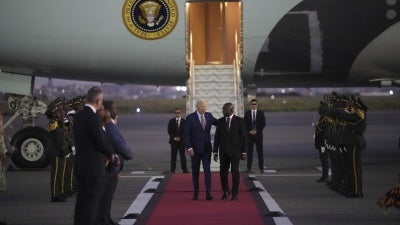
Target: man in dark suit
pixel 197 138
pixel 230 140
pixel 255 123
pixel 175 132
pixel 92 155
pixel 122 152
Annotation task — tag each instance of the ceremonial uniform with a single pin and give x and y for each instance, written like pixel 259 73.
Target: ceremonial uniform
pixel 60 151
pixel 346 124
pixel 354 143
pixel 319 141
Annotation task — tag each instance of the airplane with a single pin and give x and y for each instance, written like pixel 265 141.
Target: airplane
pixel 274 43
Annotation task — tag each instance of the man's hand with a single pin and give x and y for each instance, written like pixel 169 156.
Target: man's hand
pixel 177 139
pixel 109 160
pixel 243 156
pixel 117 161
pixel 191 152
pixel 216 157
pixel 253 132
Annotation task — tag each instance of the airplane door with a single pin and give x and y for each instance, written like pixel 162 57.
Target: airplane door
pixel 213 31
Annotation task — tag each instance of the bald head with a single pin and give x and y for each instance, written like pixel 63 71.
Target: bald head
pixel 228 109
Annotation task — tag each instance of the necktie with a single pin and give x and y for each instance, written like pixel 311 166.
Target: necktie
pixel 254 120
pixel 228 122
pixel 177 126
pixel 203 122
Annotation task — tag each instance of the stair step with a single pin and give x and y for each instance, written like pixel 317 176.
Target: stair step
pixel 214 85
pixel 213 66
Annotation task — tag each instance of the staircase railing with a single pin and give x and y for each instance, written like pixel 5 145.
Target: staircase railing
pixel 239 105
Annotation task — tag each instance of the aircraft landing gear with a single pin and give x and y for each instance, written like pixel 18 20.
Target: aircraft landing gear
pixel 32 146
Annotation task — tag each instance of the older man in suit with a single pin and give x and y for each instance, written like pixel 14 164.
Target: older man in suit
pixel 93 153
pixel 175 132
pixel 197 138
pixel 255 123
pixel 230 142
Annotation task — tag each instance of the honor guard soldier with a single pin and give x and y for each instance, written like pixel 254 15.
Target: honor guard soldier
pixel 319 141
pixel 58 136
pixel 330 139
pixel 71 107
pixel 334 132
pixel 354 117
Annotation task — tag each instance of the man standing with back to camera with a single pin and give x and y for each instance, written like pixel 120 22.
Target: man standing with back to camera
pixel 92 156
pixel 255 123
pixel 197 138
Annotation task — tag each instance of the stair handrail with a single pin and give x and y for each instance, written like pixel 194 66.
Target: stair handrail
pixel 190 82
pixel 237 79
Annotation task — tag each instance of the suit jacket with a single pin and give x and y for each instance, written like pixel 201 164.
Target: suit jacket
pixel 118 143
pixel 260 121
pixel 232 140
pixel 194 136
pixel 172 129
pixel 91 146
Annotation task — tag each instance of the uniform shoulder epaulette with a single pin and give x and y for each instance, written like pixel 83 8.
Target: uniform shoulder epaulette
pixel 53 125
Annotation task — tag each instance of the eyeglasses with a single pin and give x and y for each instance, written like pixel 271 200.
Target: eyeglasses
pixel 253 103
pixel 177 112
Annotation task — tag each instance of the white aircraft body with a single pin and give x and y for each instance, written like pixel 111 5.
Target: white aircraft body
pixel 280 43
pixel 284 42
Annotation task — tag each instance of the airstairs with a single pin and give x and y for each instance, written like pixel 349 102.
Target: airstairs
pixel 217 85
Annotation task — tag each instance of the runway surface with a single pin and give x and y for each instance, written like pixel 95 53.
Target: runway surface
pixel 291 165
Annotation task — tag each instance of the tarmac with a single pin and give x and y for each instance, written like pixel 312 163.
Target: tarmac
pixel 291 169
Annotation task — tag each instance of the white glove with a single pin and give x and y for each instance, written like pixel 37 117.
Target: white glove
pixel 73 149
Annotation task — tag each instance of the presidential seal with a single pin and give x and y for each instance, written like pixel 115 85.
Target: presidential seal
pixel 150 19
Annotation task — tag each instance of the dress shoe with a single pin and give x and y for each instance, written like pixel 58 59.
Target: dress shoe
pixel 262 171
pixel 112 222
pixel 225 195
pixel 185 171
pixel 66 194
pixel 195 195
pixel 322 179
pixel 234 198
pixel 354 195
pixel 58 199
pixel 209 197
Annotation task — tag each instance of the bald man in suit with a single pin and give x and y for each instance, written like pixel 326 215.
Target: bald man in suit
pixel 230 146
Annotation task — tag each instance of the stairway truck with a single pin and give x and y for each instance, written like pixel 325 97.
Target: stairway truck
pixel 30 146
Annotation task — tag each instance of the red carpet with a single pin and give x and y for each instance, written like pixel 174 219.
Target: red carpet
pixel 176 206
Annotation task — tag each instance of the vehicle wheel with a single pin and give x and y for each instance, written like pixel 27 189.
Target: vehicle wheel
pixel 32 147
